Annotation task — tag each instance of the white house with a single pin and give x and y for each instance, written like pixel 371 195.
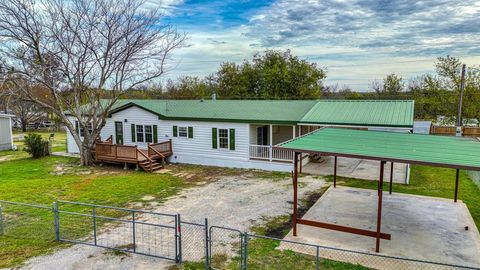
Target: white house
pixel 6 137
pixel 240 133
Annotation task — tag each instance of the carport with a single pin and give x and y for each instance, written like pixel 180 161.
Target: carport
pixel 440 151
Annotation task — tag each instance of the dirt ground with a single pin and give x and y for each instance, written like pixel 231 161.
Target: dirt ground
pixel 235 201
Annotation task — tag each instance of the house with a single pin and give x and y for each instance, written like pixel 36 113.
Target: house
pixel 240 133
pixel 6 137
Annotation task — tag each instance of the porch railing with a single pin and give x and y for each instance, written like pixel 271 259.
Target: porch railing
pixel 115 151
pixel 267 152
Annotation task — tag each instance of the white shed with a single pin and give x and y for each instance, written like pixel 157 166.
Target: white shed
pixel 6 138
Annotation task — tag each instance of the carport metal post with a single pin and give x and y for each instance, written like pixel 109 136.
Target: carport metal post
pixel 379 210
pixel 391 178
pixel 335 173
pixel 295 198
pixel 456 185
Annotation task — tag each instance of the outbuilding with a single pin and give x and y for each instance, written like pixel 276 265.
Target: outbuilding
pixel 6 137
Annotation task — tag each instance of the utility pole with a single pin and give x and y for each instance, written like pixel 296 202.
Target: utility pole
pixel 459 116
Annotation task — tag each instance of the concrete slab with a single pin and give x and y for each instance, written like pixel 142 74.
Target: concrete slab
pixel 423 228
pixel 356 168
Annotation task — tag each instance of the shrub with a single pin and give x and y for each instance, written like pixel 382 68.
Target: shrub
pixel 36 145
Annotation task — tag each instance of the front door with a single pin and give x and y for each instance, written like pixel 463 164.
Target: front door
pixel 262 135
pixel 118 132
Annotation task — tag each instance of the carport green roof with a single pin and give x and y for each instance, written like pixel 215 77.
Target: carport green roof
pixel 442 151
pixel 319 112
pixel 391 113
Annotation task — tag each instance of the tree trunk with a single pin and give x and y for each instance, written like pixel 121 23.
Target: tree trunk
pixel 24 126
pixel 86 158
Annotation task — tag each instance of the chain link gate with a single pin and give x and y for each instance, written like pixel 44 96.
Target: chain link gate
pixel 121 229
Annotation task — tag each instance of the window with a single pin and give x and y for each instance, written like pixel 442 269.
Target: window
pixel 223 138
pixel 144 133
pixel 148 134
pixel 185 132
pixel 139 133
pixel 182 132
pixel 81 130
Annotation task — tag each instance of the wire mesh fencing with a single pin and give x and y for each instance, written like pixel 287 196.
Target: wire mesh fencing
pixel 194 241
pixel 226 248
pixel 263 252
pixel 196 244
pixel 122 229
pixel 26 221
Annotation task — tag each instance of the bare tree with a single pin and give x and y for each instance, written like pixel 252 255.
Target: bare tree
pixel 86 53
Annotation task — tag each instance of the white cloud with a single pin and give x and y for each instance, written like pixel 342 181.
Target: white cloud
pixel 358 41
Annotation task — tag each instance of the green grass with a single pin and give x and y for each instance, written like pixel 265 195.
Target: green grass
pixel 31 180
pixel 430 181
pixel 59 144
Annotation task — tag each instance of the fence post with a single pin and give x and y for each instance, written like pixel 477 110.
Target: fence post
pixel 2 228
pixel 94 216
pixel 134 236
pixel 317 259
pixel 56 221
pixel 245 250
pixel 178 238
pixel 207 255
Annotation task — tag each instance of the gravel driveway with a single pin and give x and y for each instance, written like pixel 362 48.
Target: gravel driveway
pixel 233 201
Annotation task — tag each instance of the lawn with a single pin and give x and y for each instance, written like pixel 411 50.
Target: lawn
pixel 430 181
pixel 45 180
pixel 42 181
pixel 59 144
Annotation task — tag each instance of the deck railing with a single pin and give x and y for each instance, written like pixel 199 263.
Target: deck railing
pixel 267 152
pixel 116 151
pixel 160 148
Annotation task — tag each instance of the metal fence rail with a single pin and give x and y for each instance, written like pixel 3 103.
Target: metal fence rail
pixel 127 230
pixel 166 236
pixel 26 221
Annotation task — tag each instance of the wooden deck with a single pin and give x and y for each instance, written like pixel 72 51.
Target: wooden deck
pixel 150 159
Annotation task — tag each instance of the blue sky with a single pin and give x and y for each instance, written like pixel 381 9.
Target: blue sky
pixel 357 41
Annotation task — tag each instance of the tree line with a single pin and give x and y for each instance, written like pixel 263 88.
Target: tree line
pixel 281 75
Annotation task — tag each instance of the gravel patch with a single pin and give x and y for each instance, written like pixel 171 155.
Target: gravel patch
pixel 234 201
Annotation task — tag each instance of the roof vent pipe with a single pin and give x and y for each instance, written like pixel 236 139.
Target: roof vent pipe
pixel 214 96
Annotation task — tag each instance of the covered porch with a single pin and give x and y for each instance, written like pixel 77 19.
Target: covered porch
pixel 263 138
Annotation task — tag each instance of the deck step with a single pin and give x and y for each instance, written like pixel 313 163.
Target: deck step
pixel 146 165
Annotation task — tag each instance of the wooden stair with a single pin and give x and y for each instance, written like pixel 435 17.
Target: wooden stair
pixel 151 165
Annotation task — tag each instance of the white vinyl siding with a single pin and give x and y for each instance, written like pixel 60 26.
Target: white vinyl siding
pixel 195 150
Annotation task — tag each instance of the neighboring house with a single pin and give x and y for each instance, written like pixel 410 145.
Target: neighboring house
pixel 241 133
pixel 6 137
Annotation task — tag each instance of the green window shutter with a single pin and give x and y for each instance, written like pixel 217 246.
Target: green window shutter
pixel 214 138
pixel 133 132
pixel 155 134
pixel 190 132
pixel 232 139
pixel 175 131
pixel 76 127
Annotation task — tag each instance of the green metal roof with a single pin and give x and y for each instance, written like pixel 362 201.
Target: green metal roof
pixel 261 111
pixel 443 151
pixel 340 112
pixel 392 113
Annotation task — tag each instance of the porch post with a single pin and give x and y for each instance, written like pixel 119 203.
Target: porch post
pixel 379 209
pixel 335 173
pixel 295 183
pixel 293 129
pixel 456 185
pixel 270 153
pixel 391 178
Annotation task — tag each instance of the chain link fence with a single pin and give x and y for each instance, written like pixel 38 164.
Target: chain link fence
pixel 194 245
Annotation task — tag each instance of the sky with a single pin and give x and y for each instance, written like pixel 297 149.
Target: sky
pixel 356 41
